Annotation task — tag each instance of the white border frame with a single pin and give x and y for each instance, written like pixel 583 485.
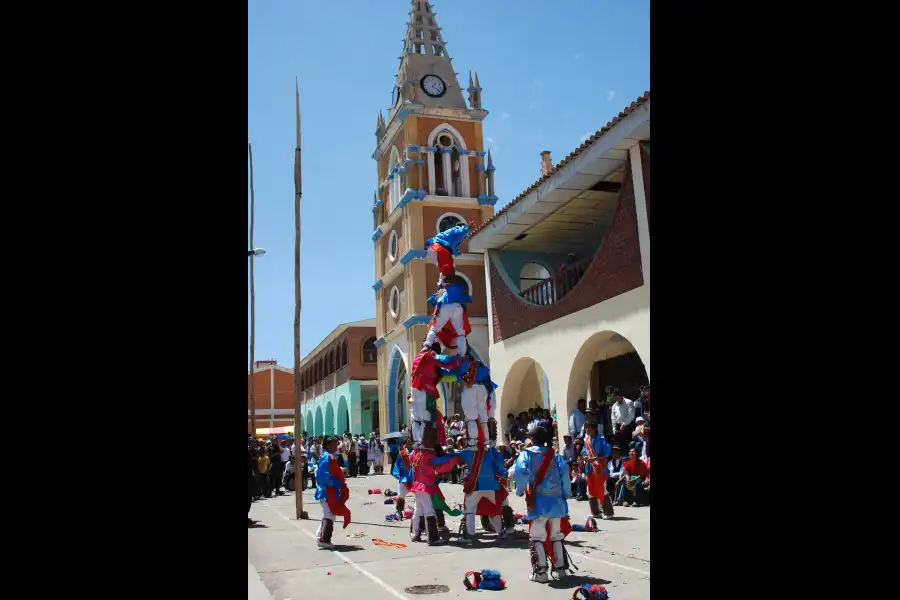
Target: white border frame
pixel 437 224
pixel 394 313
pixel 393 238
pixel 466 279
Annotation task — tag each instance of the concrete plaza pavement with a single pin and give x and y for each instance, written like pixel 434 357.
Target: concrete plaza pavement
pixel 284 563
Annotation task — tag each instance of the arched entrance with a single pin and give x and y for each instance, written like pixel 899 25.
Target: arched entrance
pixel 606 358
pixel 320 423
pixel 397 390
pixel 329 419
pixel 526 386
pixel 343 416
pixel 308 424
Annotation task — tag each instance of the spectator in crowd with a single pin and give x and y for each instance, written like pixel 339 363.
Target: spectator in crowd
pixel 616 467
pixel 635 473
pixel 350 447
pixel 362 452
pixel 262 469
pixel 276 469
pixel 569 451
pixel 510 423
pixel 640 435
pixel 376 454
pixel 579 479
pixel 622 416
pixel 577 419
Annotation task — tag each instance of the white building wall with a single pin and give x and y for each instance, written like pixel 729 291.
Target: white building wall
pixel 555 346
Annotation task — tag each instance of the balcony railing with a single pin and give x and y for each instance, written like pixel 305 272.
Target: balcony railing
pixel 553 289
pixel 339 377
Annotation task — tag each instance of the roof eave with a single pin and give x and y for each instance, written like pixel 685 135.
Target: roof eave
pixel 494 236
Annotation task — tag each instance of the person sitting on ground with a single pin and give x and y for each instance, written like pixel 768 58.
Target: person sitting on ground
pixel 635 472
pixel 616 468
pixel 579 479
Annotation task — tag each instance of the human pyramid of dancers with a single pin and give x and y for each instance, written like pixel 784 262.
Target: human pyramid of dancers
pixel 541 474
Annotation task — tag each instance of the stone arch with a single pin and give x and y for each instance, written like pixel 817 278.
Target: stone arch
pixel 439 163
pixel 308 424
pixel 397 385
pixel 446 127
pixel 343 415
pixel 628 372
pixel 319 429
pixel 329 418
pixel 525 386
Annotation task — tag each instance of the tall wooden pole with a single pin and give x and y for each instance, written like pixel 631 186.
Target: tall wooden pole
pixel 298 424
pixel 252 303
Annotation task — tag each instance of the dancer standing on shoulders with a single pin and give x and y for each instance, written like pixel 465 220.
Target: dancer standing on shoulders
pixel 331 492
pixel 542 476
pixel 424 376
pixel 476 396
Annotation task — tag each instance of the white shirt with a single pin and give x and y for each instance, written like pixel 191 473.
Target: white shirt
pixel 285 455
pixel 576 423
pixel 622 413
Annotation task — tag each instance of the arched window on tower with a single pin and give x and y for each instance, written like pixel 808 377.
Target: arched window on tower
pixel 370 352
pixel 449 165
pixel 394 185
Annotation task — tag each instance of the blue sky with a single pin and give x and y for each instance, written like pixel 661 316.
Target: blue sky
pixel 550 78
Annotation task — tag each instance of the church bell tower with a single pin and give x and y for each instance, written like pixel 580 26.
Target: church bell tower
pixel 433 174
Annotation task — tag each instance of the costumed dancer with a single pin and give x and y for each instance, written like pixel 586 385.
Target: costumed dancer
pixel 331 492
pixel 426 466
pixel 402 471
pixel 426 372
pixel 484 489
pixel 476 396
pixel 444 246
pixel 448 303
pixel 596 453
pixel 542 476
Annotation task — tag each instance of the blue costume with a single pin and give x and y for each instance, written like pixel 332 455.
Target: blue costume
pixel 477 389
pixel 332 494
pixel 484 493
pixel 547 505
pixel 403 473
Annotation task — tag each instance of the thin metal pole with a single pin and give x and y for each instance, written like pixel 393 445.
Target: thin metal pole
pixel 252 304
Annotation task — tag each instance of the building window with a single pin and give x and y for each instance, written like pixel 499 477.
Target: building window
pixel 370 352
pixel 393 246
pixel 532 274
pixel 394 302
pixel 344 354
pixel 393 181
pixel 448 220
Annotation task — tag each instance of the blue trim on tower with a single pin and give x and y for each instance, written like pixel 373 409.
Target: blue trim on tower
pixel 417 320
pixel 379 342
pixel 378 233
pixel 479 167
pixel 378 205
pixel 408 197
pixel 484 200
pixel 412 255
pixel 420 162
pixel 422 194
pixel 413 147
pixel 378 285
pixel 429 148
pixel 481 154
pixel 463 152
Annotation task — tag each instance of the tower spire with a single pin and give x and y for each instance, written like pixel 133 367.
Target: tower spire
pixel 425 54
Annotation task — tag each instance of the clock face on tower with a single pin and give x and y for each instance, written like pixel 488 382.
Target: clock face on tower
pixel 433 85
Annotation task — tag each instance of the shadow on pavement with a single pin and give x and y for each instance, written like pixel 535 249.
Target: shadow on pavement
pixel 251 524
pixel 573 581
pixel 617 518
pixel 346 548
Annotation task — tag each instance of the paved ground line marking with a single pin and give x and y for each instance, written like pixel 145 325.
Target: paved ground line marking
pixel 612 564
pixel 346 559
